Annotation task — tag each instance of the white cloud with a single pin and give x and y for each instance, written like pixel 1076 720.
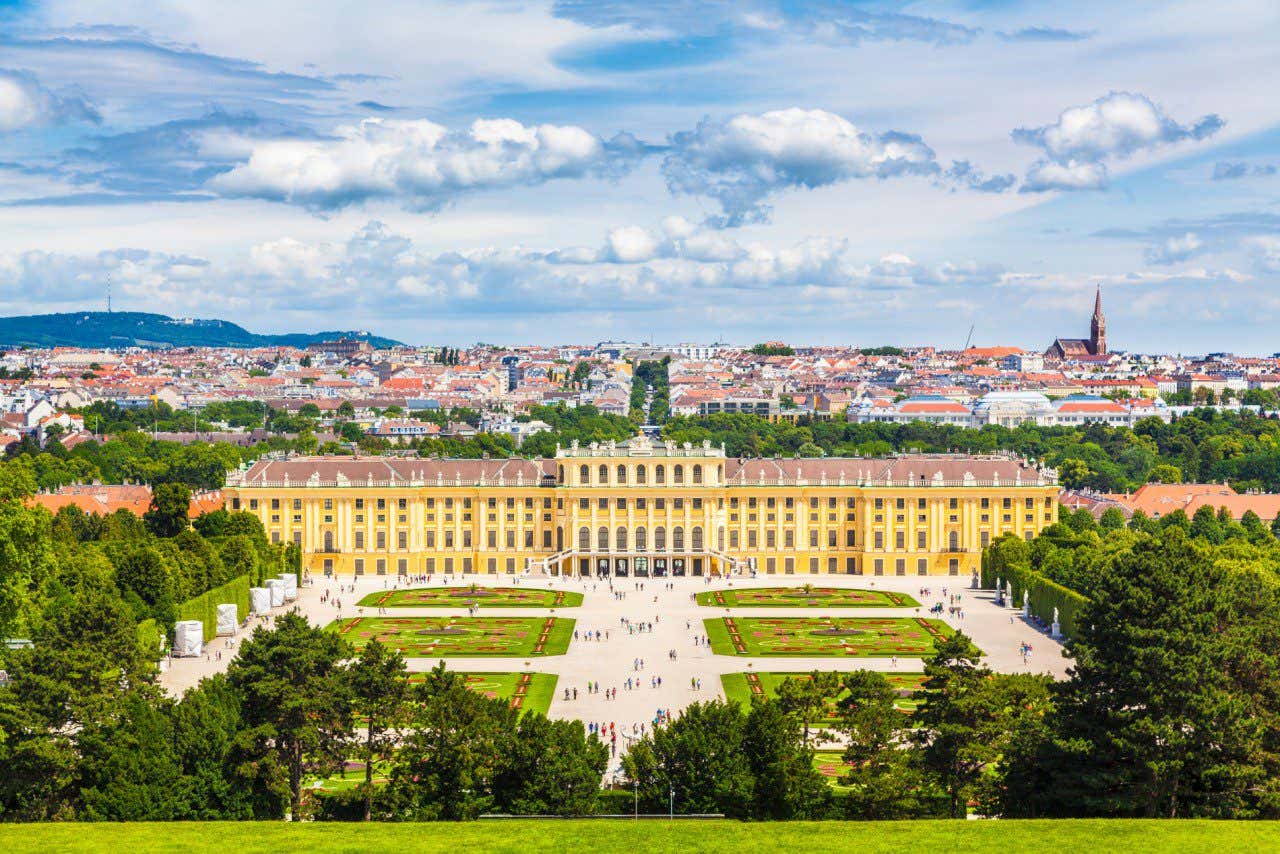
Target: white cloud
pixel 418 162
pixel 1117 125
pixel 740 162
pixel 1265 251
pixel 1174 249
pixel 24 104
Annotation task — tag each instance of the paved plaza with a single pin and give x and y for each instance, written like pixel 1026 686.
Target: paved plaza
pixel 677 622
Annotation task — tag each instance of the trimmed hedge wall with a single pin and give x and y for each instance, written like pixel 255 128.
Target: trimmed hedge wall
pixel 205 606
pixel 149 639
pixel 1043 594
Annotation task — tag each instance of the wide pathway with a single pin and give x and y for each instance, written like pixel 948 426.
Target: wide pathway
pixel 644 657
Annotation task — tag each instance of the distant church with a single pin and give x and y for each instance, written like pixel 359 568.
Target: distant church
pixel 1082 348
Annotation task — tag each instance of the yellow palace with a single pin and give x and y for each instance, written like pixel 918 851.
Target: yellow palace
pixel 646 508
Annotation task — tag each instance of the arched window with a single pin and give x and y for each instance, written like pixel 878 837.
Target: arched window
pixel 604 475
pixel 642 541
pixel 659 473
pixel 620 539
pixel 559 539
pixel 677 538
pixel 697 474
pixel 640 470
pixel 677 474
pixel 720 539
pixel 660 539
pixel 696 536
pixel 584 476
pixel 953 540
pixel 328 541
pixel 602 537
pixel 559 474
pixel 622 474
pixel 584 539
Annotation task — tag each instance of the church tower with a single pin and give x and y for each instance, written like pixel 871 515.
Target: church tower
pixel 1098 327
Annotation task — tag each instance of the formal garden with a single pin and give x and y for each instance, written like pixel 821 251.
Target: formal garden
pixel 528 692
pixel 826 636
pixel 439 637
pixel 741 687
pixel 806 596
pixel 472 596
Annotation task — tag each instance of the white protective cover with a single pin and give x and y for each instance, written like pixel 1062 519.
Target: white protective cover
pixel 290 586
pixel 259 600
pixel 276 586
pixel 227 619
pixel 188 638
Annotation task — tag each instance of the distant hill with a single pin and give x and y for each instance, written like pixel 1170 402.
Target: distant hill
pixel 139 329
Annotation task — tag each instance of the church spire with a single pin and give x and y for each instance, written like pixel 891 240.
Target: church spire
pixel 1098 327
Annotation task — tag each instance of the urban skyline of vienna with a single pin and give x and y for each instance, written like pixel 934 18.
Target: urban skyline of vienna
pixel 823 173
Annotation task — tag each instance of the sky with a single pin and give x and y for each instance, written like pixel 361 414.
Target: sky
pixel 831 172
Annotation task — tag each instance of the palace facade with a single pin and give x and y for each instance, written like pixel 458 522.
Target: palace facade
pixel 648 509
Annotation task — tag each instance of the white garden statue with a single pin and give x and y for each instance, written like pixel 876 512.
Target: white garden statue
pixel 1056 630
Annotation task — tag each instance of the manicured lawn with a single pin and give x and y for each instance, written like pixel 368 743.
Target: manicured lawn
pixel 640 837
pixel 465 597
pixel 441 637
pixel 809 596
pixel 741 687
pixel 826 636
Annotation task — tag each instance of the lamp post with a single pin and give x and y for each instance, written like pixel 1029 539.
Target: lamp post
pixel 671 803
pixel 635 791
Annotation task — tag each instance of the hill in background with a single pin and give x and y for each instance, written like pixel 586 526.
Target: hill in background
pixel 140 329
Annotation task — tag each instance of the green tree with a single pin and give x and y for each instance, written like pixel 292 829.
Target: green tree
pixel 380 692
pixel 168 515
pixel 785 783
pixel 1162 714
pixel 550 768
pixel 697 760
pixel 951 732
pixel 445 767
pixel 1165 473
pixel 1112 519
pixel 346 409
pixel 296 698
pixel 882 779
pixel 806 697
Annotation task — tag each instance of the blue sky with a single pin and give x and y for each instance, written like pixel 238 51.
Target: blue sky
pixel 833 172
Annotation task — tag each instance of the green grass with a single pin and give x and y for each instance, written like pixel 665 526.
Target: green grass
pixel 536 696
pixel 640 837
pixel 738 688
pixel 803 636
pixel 808 596
pixel 481 597
pixel 443 637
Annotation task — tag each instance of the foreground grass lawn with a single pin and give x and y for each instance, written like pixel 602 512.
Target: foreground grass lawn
pixel 607 835
pixel 808 596
pixel 465 597
pixel 741 687
pixel 441 637
pixel 826 636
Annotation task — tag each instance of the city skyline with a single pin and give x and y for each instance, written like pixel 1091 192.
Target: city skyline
pixel 830 173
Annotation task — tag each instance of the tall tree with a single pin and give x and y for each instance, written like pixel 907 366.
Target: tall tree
pixel 296 697
pixel 446 765
pixel 883 781
pixel 806 697
pixel 170 506
pixel 380 691
pixel 551 768
pixel 785 783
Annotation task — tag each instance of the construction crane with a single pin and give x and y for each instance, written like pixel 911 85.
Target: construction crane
pixel 968 340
